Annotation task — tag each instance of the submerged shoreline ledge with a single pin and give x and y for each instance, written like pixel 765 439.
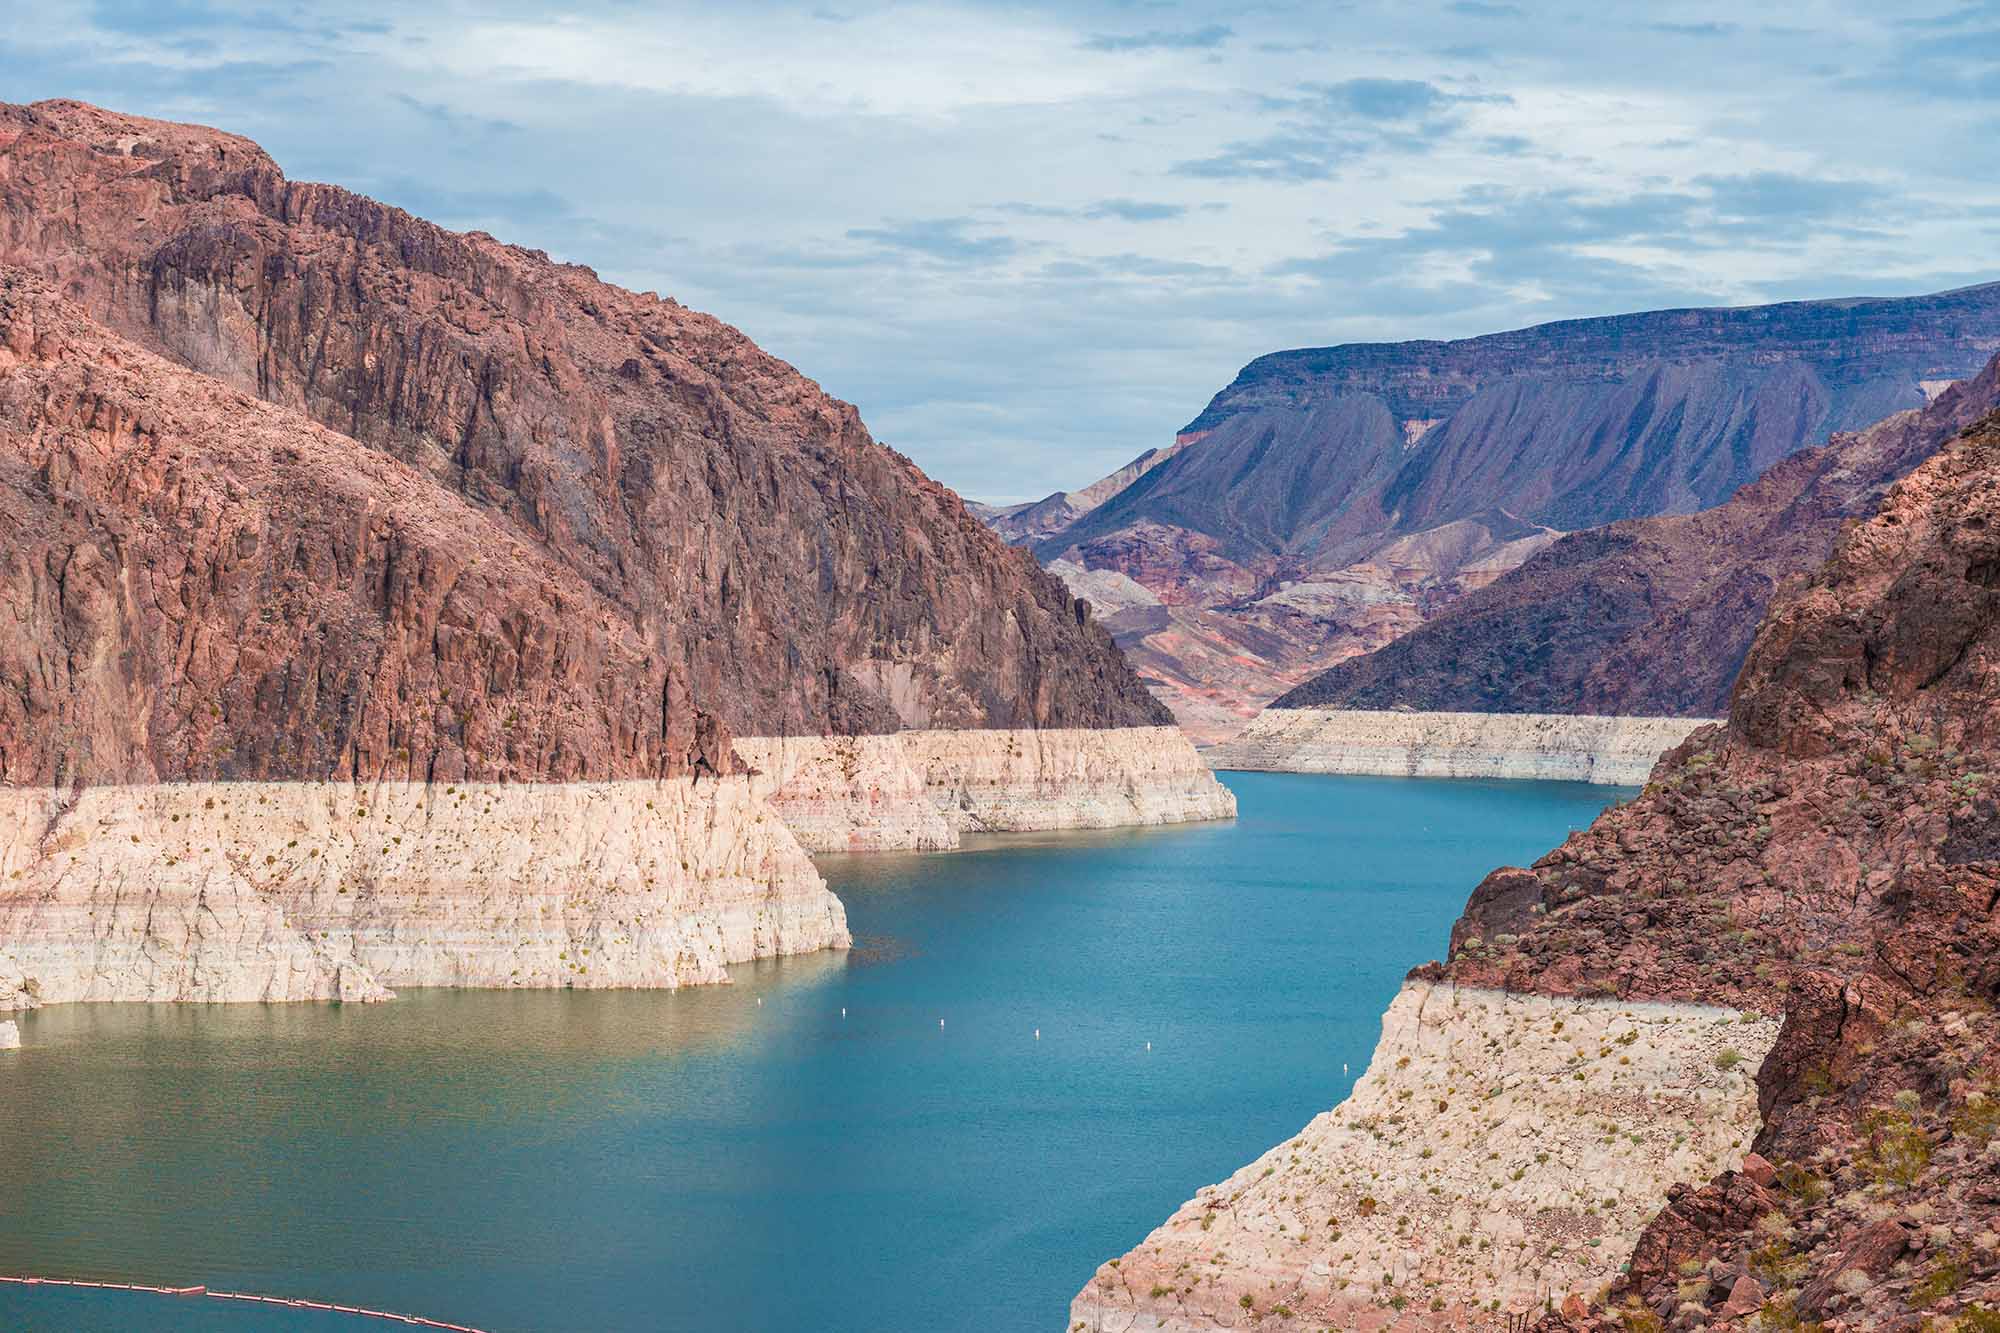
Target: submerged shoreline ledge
pixel 919 790
pixel 1500 1147
pixel 1552 747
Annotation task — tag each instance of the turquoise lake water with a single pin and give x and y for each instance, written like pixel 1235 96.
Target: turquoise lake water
pixel 535 1162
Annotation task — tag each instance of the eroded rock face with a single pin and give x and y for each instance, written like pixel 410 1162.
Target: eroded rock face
pixel 1497 1152
pixel 540 539
pixel 1822 856
pixel 1826 857
pixel 771 566
pixel 203 586
pixel 320 497
pixel 331 890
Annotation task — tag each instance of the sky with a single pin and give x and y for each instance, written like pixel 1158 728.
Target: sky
pixel 1031 241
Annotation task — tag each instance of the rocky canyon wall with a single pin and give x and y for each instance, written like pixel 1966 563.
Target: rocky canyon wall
pixel 301 493
pixel 312 891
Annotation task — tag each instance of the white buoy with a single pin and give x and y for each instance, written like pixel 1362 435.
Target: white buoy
pixel 843 1011
pixel 1343 1066
pixel 940 1022
pixel 1149 1045
pixel 760 1002
pixel 1038 1034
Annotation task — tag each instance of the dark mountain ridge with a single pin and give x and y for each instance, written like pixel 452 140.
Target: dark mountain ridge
pixel 1651 616
pixel 1569 425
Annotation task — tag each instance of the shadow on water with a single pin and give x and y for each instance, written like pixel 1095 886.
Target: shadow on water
pixel 746 1156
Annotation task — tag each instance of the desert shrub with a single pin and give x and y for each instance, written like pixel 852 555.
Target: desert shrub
pixel 1947 1275
pixel 1897 1151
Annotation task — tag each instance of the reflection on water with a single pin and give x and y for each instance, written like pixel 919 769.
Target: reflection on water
pixel 644 1160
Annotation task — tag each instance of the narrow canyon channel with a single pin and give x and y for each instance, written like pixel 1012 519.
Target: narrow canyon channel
pixel 861 1141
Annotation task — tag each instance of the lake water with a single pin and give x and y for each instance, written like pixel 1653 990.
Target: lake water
pixel 530 1162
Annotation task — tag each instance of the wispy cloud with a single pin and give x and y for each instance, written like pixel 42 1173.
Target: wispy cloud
pixel 1194 39
pixel 946 239
pixel 1029 240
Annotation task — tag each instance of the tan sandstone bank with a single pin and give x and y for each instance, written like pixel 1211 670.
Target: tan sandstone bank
pixel 922 789
pixel 302 891
pixel 1501 1149
pixel 1550 746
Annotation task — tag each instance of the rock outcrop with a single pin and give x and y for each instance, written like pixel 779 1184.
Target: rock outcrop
pixel 1653 615
pixel 1333 498
pixel 299 493
pixel 1827 856
pixel 1551 747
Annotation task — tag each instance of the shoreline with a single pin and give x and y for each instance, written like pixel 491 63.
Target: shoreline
pixel 1543 747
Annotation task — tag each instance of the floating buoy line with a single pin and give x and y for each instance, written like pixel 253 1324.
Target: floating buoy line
pixel 206 1293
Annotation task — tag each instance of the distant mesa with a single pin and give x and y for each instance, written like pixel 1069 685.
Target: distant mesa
pixel 1332 499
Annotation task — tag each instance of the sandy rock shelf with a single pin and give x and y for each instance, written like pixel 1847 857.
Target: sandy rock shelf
pixel 313 891
pixel 1619 751
pixel 922 789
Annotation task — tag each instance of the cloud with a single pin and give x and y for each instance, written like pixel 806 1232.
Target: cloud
pixel 1695 29
pixel 947 240
pixel 1328 125
pixel 1121 210
pixel 1195 186
pixel 1766 202
pixel 1197 39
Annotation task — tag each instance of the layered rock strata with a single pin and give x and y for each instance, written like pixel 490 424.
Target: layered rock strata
pixel 1555 747
pixel 1497 1149
pixel 922 789
pixel 1829 856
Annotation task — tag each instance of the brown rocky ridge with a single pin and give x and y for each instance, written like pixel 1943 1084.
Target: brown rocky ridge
pixel 318 515
pixel 733 511
pixel 1332 499
pixel 1828 857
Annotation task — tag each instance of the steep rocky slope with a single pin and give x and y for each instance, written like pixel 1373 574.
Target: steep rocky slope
pixel 281 718
pixel 1332 498
pixel 1652 616
pixel 773 571
pixel 1827 856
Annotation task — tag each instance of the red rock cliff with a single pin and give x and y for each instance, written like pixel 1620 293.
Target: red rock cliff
pixel 734 553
